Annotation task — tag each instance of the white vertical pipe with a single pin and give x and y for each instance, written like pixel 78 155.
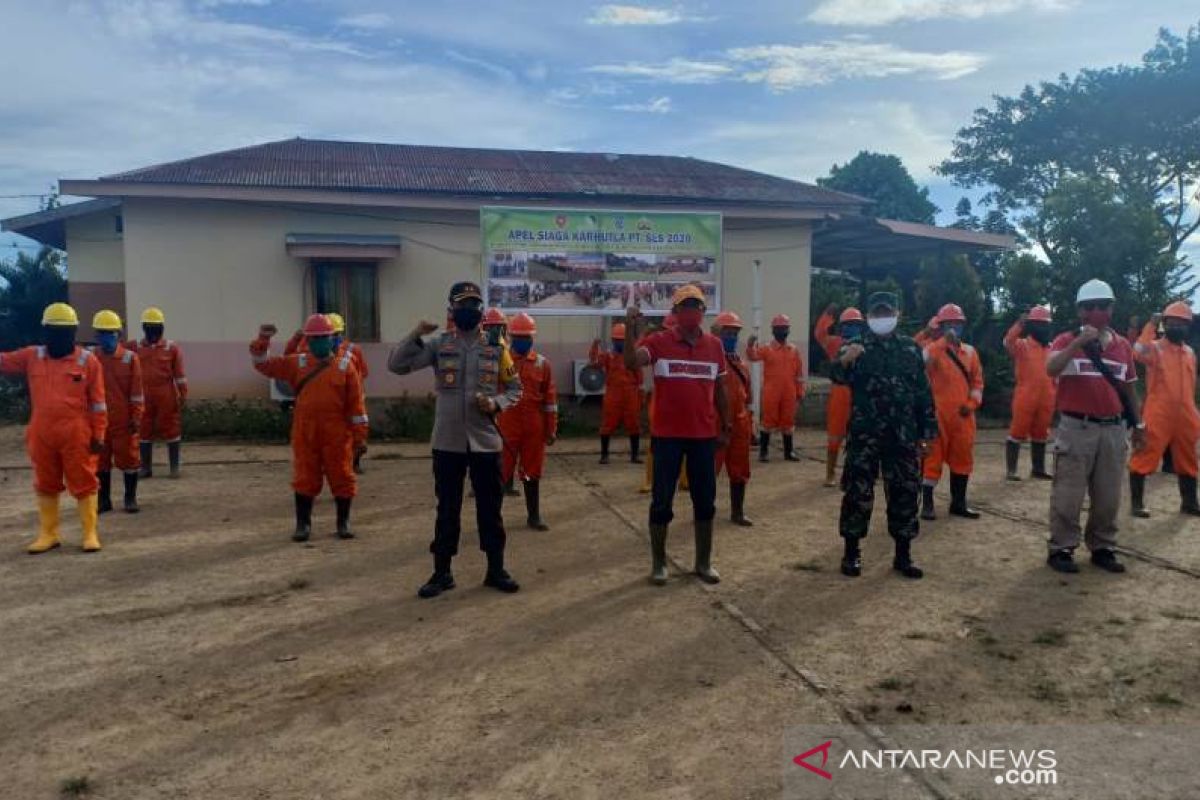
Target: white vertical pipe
pixel 756 366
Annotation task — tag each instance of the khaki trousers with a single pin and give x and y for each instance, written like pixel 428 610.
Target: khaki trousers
pixel 1089 459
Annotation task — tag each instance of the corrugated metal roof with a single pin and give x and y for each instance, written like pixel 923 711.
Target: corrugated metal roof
pixel 361 166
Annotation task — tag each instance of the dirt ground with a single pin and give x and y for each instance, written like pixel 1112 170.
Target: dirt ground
pixel 204 655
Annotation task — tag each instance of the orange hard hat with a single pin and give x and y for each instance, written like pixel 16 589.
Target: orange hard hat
pixel 493 316
pixel 522 325
pixel 688 291
pixel 851 315
pixel 318 325
pixel 1039 314
pixel 1178 310
pixel 728 319
pixel 618 331
pixel 950 313
pixel 781 321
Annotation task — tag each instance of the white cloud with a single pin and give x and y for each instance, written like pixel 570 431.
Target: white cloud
pixel 677 70
pixel 868 13
pixel 786 67
pixel 659 105
pixel 369 21
pixel 503 73
pixel 634 15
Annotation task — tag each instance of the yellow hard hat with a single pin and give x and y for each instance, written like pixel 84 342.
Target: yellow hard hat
pixel 106 321
pixel 59 314
pixel 335 319
pixel 153 316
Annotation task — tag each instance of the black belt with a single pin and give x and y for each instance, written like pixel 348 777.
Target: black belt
pixel 1117 420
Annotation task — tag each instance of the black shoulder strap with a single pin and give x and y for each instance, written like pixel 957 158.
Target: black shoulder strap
pixel 961 368
pixel 321 367
pixel 1095 355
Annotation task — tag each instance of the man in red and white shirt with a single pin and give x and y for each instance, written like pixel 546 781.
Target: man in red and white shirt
pixel 1095 370
pixel 691 421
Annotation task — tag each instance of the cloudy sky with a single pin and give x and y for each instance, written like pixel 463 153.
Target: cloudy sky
pixel 790 88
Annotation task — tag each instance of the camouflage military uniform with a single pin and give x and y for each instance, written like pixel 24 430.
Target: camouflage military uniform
pixel 891 411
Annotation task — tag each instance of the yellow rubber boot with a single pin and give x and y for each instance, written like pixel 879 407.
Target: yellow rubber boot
pixel 47 538
pixel 646 483
pixel 88 516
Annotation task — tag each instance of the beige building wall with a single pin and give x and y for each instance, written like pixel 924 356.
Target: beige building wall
pixel 96 264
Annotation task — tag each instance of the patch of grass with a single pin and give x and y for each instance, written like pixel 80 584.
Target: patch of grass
pixel 890 685
pixel 1047 692
pixel 1051 638
pixel 244 420
pixel 1165 699
pixel 75 787
pixel 1182 616
pixel 812 565
pixel 299 584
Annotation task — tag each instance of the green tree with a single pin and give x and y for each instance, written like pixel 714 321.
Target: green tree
pixel 1023 281
pixel 885 180
pixel 950 280
pixel 27 285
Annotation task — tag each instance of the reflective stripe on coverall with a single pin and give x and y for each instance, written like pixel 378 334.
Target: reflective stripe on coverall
pixel 126 403
pixel 1170 408
pixel 955 443
pixel 783 384
pixel 1033 398
pixel 165 386
pixel 526 425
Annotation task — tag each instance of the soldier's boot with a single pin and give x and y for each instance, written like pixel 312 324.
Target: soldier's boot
pixel 131 503
pixel 1188 503
pixel 635 443
pixel 831 457
pixel 903 562
pixel 764 447
pixel 851 558
pixel 1039 462
pixel 658 555
pixel 89 522
pixel 442 579
pixel 497 577
pixel 1168 462
pixel 533 509
pixel 343 517
pixel 704 546
pixel 604 443
pixel 958 497
pixel 104 497
pixel 147 454
pixel 737 505
pixel 173 454
pixel 789 448
pixel 47 538
pixel 510 487
pixel 927 509
pixel 304 507
pixel 1012 458
pixel 1137 496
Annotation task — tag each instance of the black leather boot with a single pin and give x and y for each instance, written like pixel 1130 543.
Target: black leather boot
pixel 737 503
pixel 131 503
pixel 146 450
pixel 1137 495
pixel 497 577
pixel 851 558
pixel 442 579
pixel 1012 457
pixel 1039 462
pixel 764 447
pixel 304 507
pixel 604 443
pixel 1188 503
pixel 927 508
pixel 903 562
pixel 704 546
pixel 658 554
pixel 533 501
pixel 789 448
pixel 104 495
pixel 635 443
pixel 343 518
pixel 958 497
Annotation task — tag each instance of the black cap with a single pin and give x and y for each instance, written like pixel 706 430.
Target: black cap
pixel 464 290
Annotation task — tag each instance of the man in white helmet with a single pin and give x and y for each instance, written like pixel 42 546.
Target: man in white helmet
pixel 1095 369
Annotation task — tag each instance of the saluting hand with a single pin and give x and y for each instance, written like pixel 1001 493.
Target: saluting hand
pixel 268 330
pixel 424 328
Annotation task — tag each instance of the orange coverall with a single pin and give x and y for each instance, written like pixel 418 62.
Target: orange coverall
pixel 953 391
pixel 329 422
pixel 165 386
pixel 1033 399
pixel 783 384
pixel 69 413
pixel 837 410
pixel 736 455
pixel 299 344
pixel 1170 407
pixel 526 426
pixel 126 402
pixel 622 393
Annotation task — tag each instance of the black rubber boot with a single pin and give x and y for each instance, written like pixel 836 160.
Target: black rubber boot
pixel 147 453
pixel 704 546
pixel 1137 496
pixel 1188 503
pixel 442 579
pixel 131 503
pixel 104 495
pixel 343 517
pixel 658 555
pixel 737 504
pixel 903 562
pixel 1012 458
pixel 496 577
pixel 304 507
pixel 605 441
pixel 789 448
pixel 764 447
pixel 533 503
pixel 510 488
pixel 851 558
pixel 1039 462
pixel 358 467
pixel 927 508
pixel 1168 462
pixel 958 497
pixel 173 456
pixel 635 444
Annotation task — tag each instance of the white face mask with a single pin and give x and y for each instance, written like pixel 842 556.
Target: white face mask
pixel 882 326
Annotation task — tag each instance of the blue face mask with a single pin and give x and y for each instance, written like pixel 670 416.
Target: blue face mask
pixel 729 342
pixel 320 346
pixel 337 341
pixel 107 341
pixel 522 346
pixel 957 330
pixel 618 346
pixel 852 331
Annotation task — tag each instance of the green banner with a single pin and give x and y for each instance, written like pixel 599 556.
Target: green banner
pixel 564 261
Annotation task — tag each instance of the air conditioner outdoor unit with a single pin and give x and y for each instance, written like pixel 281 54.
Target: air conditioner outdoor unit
pixel 589 380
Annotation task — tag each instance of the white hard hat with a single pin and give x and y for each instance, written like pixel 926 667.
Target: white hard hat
pixel 1094 289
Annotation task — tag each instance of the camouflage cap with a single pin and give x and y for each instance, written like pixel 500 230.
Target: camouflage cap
pixel 882 299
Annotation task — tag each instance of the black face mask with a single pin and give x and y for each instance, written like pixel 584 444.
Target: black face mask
pixel 467 319
pixel 1040 335
pixel 780 334
pixel 1176 335
pixel 59 339
pixel 154 333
